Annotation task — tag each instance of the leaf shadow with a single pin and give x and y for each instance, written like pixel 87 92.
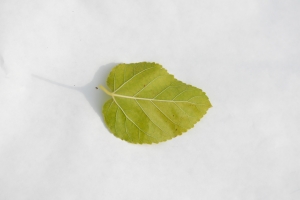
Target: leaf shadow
pixel 96 98
pixel 2 64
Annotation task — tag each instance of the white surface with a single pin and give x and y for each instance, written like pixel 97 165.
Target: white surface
pixel 243 54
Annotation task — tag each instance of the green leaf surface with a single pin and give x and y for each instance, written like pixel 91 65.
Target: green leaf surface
pixel 148 105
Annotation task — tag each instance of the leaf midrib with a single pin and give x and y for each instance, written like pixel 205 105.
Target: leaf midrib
pixel 145 99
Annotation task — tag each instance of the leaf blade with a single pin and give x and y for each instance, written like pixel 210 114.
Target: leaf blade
pixel 149 105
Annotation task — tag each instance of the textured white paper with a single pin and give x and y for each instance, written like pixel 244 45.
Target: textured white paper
pixel 243 54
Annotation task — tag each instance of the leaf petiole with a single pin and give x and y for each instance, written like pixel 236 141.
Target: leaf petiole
pixel 105 90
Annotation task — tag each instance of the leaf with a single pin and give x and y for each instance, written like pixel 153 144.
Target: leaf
pixel 149 105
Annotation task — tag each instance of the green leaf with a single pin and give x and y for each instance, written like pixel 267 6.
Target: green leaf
pixel 149 105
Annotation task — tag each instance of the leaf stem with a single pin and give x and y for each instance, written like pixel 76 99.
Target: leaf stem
pixel 105 90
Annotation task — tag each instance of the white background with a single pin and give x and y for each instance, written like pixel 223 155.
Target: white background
pixel 243 53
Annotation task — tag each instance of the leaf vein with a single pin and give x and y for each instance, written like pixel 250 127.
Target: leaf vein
pixel 165 114
pixel 193 97
pixel 185 89
pixel 133 121
pixel 183 110
pixel 133 77
pixel 148 116
pixel 165 90
pixel 116 119
pixel 110 105
pixel 146 85
pixel 126 128
pixel 114 81
pixel 147 99
pixel 124 74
